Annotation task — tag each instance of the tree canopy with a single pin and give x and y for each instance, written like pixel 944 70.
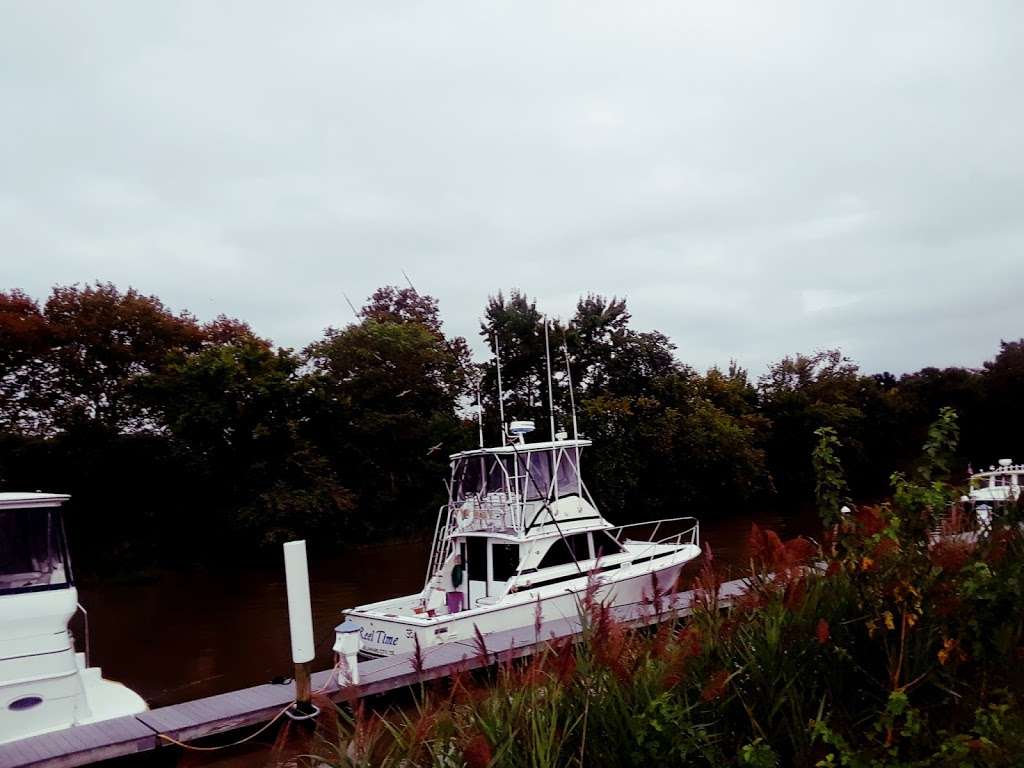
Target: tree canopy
pixel 213 429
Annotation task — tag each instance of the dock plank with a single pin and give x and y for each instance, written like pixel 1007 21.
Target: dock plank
pixel 215 714
pixel 80 745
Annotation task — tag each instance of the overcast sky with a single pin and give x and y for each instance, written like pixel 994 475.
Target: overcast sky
pixel 757 179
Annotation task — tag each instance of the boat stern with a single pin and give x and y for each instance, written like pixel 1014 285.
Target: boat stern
pixel 382 636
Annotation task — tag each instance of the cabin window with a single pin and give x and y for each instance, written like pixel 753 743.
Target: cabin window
pixel 504 561
pixel 558 554
pixel 571 549
pixel 605 545
pixel 32 550
pixel 579 543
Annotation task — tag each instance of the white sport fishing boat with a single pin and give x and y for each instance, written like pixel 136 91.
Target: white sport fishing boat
pixel 44 684
pixel 521 535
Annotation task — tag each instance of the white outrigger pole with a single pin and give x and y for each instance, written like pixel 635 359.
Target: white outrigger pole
pixel 501 397
pixel 551 394
pixel 572 399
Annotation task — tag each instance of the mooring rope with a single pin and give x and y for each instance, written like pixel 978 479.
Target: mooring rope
pixel 274 719
pixel 251 736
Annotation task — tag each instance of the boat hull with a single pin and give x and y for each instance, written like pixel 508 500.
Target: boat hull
pixel 44 684
pixel 631 587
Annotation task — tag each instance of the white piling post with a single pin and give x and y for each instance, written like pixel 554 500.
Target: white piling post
pixel 346 645
pixel 300 621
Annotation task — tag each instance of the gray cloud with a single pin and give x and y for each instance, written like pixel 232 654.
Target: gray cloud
pixel 758 179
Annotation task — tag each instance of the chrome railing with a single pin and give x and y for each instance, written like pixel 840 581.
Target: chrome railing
pixel 676 539
pixel 85 620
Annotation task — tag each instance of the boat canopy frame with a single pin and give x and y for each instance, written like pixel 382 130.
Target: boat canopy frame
pixel 495 490
pixel 521 478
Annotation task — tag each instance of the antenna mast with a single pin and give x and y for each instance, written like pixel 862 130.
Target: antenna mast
pixel 501 399
pixel 551 396
pixel 572 404
pixel 572 397
pixel 479 415
pixel 351 306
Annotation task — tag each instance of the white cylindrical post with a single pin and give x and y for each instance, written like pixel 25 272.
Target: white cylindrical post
pixel 300 612
pixel 300 621
pixel 346 644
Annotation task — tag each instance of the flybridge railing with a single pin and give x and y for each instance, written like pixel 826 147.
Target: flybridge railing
pixel 496 512
pixel 993 472
pixel 688 535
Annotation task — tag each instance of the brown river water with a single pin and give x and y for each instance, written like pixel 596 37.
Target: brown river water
pixel 196 633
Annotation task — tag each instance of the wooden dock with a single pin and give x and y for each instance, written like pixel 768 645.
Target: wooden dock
pixel 86 744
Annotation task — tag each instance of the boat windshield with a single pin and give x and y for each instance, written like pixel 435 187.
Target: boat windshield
pixel 530 475
pixel 32 552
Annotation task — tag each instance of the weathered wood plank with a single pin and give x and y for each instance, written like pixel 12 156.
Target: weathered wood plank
pixel 216 714
pixel 80 745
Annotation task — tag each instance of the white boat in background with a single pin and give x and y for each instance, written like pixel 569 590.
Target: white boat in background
pixel 997 484
pixel 518 543
pixel 44 684
pixel 994 488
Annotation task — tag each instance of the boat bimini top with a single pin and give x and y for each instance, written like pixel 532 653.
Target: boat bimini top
pixel 519 489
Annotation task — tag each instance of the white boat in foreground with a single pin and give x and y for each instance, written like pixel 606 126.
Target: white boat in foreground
pixel 518 543
pixel 44 684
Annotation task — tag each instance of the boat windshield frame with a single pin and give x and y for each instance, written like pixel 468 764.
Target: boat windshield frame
pixel 517 475
pixel 54 539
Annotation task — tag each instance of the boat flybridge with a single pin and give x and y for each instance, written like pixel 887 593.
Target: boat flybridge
pixel 520 541
pixel 44 684
pixel 994 488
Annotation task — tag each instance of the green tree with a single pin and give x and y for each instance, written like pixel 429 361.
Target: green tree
pixel 1002 382
pixel 239 412
pixel 800 394
pixel 102 339
pixel 386 396
pixel 515 326
pixel 24 342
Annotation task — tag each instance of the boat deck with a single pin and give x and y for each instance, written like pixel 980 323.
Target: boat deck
pixel 226 712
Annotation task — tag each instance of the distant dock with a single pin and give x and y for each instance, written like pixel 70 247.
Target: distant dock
pixel 226 712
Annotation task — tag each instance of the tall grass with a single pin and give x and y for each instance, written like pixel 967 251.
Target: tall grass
pixel 880 646
pixel 889 652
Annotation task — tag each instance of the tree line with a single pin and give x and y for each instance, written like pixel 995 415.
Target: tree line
pixel 182 441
